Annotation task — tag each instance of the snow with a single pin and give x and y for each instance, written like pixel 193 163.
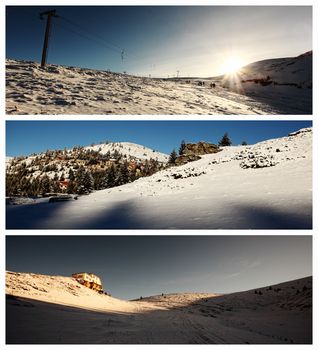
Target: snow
pixel 8 161
pixel 31 89
pixel 55 309
pixel 290 87
pixel 263 186
pixel 131 150
pixel 128 150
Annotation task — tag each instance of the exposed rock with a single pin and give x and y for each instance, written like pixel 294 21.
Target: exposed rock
pixel 200 148
pixel 192 151
pixel 186 159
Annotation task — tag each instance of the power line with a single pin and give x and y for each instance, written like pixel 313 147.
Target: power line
pixel 90 32
pixel 91 36
pixel 87 37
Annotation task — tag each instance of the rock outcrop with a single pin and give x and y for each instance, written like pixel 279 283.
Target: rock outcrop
pixel 192 151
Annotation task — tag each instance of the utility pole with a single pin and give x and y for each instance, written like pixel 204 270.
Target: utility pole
pixel 178 73
pixel 49 14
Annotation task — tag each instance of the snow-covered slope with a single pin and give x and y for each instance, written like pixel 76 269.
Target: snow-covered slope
pixel 63 161
pixel 284 83
pixel 294 70
pixel 131 150
pixel 266 185
pixel 55 309
pixel 8 161
pixel 69 90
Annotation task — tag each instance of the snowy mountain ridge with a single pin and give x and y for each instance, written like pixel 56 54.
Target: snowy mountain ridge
pixel 131 150
pixel 128 149
pixel 291 70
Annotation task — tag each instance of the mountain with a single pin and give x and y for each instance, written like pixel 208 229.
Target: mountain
pixel 130 150
pixel 279 82
pixel 291 71
pixel 266 185
pixel 58 310
pixel 55 89
pixel 81 169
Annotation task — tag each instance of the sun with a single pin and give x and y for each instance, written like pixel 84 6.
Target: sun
pixel 232 64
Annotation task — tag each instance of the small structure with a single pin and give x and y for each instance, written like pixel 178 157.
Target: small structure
pixel 63 184
pixel 89 280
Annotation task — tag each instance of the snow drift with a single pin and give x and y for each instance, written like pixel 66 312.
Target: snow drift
pixel 58 310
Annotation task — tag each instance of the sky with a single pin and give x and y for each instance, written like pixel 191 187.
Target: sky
pixel 134 266
pixel 26 137
pixel 160 40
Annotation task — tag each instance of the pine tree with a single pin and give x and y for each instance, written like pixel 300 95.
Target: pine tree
pixel 71 175
pixel 182 147
pixel 225 141
pixel 110 178
pixel 88 182
pixel 173 157
pixel 124 174
pixel 80 175
pixel 72 187
pixel 45 185
pixel 244 143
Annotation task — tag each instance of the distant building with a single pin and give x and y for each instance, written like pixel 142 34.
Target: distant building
pixel 89 280
pixel 64 184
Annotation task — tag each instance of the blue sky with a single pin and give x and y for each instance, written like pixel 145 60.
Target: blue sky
pixel 159 40
pixel 26 137
pixel 134 266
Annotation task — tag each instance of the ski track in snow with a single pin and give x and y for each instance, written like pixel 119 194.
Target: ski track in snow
pixel 58 310
pixel 69 90
pixel 214 192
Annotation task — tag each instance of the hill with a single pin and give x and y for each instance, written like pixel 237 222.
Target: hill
pixel 56 89
pixel 58 310
pixel 81 169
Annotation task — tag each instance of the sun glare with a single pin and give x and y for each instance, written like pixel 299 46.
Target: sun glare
pixel 232 64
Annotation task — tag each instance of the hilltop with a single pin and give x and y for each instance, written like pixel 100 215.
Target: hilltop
pixel 58 310
pixel 266 185
pixel 56 89
pixel 81 169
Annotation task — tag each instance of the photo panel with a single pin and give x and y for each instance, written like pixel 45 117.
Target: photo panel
pixel 159 289
pixel 159 175
pixel 159 60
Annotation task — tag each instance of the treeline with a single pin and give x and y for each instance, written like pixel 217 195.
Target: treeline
pixel 79 180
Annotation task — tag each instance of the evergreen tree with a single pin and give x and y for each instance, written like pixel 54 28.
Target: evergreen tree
pixel 110 178
pixel 45 185
pixel 225 141
pixel 88 182
pixel 182 147
pixel 124 174
pixel 71 175
pixel 56 187
pixel 173 157
pixel 80 175
pixel 72 187
pixel 244 143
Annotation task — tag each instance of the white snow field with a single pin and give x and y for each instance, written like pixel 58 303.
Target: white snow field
pixel 263 186
pixel 44 309
pixel 70 90
pixel 130 150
